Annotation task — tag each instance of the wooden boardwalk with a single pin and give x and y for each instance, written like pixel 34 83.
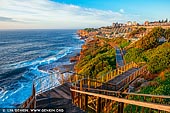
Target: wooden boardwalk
pixel 119 57
pixel 103 94
pixel 94 98
pixel 122 76
pixel 59 97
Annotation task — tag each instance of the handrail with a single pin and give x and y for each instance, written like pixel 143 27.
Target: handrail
pixel 53 81
pixel 124 81
pixel 93 80
pixel 118 92
pixel 118 71
pixel 147 95
pixel 132 74
pixel 133 102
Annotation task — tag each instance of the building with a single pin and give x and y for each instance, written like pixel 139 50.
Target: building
pixel 117 24
pixel 135 23
pixel 146 23
pixel 156 23
pixel 129 23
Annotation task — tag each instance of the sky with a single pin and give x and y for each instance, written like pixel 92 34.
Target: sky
pixel 78 14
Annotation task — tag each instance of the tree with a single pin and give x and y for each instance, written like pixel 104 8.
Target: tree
pixel 166 20
pixel 162 21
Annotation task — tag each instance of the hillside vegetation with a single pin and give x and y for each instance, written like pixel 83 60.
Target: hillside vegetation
pixel 97 60
pixel 157 57
pixel 98 56
pixel 149 50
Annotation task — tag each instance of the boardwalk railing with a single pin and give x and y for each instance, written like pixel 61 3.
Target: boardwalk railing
pixel 43 84
pixel 126 81
pixel 98 100
pixel 110 75
pixel 94 83
pixel 31 101
pixel 56 78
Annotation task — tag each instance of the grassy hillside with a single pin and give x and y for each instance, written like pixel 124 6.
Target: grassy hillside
pixel 97 60
pixel 159 86
pixel 99 56
pixel 157 58
pixel 149 50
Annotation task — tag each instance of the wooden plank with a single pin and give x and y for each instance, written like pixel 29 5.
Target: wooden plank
pixel 134 94
pixel 148 95
pixel 86 102
pixel 137 103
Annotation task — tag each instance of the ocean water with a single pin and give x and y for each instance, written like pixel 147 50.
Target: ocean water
pixel 23 56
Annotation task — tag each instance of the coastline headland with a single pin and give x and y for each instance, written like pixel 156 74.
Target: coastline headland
pixel 97 61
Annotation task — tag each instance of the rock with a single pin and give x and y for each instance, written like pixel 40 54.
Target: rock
pixel 131 89
pixel 74 59
pixel 141 80
pixel 137 82
pixel 145 84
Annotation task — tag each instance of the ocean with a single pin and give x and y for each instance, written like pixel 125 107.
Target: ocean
pixel 25 53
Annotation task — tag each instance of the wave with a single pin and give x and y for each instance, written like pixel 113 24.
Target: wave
pixel 12 73
pixel 23 60
pixel 3 94
pixel 17 89
pixel 43 61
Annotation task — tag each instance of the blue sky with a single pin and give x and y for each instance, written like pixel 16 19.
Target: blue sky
pixel 151 9
pixel 75 14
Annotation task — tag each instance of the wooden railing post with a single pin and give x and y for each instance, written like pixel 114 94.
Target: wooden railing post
pixel 86 102
pixel 88 83
pixel 81 85
pixel 98 110
pixel 107 77
pixel 34 96
pixel 73 95
pixel 79 100
pixel 120 104
pixel 76 78
pixel 98 105
pixel 114 73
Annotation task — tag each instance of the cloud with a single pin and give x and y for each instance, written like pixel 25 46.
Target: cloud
pixel 49 14
pixel 6 19
pixel 122 10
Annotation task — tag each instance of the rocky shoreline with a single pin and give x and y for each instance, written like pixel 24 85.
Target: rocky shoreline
pixel 74 59
pixel 65 68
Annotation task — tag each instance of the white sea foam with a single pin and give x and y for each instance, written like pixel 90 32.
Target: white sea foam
pixel 3 94
pixel 5 98
pixel 17 90
pixel 29 54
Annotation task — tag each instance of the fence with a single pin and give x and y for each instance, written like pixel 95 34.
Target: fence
pixel 111 101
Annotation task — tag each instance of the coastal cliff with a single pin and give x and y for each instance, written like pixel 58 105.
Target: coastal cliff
pixel 83 34
pixel 97 56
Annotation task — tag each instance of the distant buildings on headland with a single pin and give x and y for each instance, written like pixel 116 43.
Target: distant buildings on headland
pixel 157 23
pixel 129 23
pixel 146 23
pixel 132 31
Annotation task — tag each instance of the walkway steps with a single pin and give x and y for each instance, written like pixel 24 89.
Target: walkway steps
pixel 116 82
pixel 119 57
pixel 122 76
pixel 59 97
